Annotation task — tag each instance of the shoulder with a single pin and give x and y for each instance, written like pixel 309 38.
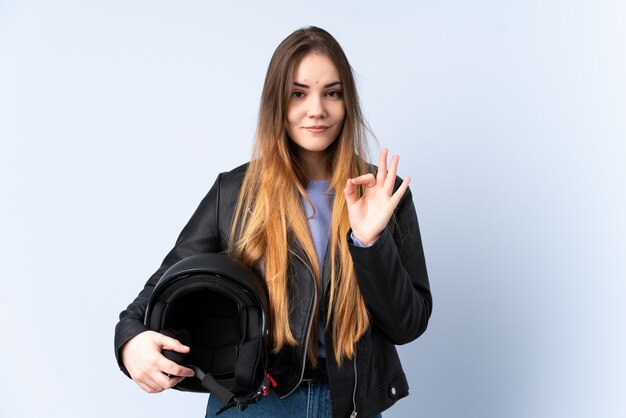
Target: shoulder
pixel 232 180
pixel 227 187
pixel 235 173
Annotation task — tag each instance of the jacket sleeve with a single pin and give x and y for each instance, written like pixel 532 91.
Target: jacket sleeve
pixel 392 276
pixel 200 235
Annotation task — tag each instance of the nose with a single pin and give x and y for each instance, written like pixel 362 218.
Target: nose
pixel 316 107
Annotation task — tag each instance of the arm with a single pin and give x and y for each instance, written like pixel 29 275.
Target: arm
pixel 392 276
pixel 389 260
pixel 200 235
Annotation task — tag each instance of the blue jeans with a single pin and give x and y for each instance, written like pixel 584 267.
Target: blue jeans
pixel 310 400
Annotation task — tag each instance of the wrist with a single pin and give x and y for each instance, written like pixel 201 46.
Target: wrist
pixel 363 242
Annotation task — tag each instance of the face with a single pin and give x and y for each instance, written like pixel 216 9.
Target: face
pixel 316 110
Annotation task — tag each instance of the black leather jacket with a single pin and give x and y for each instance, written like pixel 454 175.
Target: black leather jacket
pixel 392 278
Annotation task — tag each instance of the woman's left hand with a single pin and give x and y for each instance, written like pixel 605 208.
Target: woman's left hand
pixel 370 214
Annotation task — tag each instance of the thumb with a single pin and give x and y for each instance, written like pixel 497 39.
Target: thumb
pixel 169 343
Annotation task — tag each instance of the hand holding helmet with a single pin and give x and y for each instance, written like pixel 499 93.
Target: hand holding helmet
pixel 146 365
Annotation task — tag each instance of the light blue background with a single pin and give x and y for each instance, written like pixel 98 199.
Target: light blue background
pixel 116 116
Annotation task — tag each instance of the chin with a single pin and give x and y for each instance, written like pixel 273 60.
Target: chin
pixel 315 148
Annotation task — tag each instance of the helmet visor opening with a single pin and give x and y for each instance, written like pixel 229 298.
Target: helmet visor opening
pixel 213 320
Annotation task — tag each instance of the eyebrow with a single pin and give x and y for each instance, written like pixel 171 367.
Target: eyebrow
pixel 334 83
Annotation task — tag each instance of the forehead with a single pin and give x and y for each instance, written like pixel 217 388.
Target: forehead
pixel 315 68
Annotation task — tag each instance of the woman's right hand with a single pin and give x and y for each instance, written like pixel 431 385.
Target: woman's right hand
pixel 146 365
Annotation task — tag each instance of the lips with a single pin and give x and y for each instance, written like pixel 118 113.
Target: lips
pixel 316 128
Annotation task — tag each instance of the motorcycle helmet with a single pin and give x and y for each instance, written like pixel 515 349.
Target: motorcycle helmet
pixel 220 309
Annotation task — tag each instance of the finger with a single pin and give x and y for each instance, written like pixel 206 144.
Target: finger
pixel 168 343
pixel 163 381
pixel 368 180
pixel 175 369
pixel 350 192
pixel 177 380
pixel 391 175
pixel 382 167
pixel 147 388
pixel 173 381
pixel 151 381
pixel 395 199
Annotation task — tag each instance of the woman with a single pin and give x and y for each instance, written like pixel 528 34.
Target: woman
pixel 337 241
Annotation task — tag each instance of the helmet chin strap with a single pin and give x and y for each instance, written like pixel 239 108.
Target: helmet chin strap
pixel 226 397
pixel 243 403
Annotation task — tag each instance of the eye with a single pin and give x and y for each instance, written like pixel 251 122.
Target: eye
pixel 297 94
pixel 334 94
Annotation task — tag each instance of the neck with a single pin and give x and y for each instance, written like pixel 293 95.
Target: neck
pixel 314 165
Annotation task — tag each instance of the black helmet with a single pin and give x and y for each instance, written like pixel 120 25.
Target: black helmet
pixel 220 309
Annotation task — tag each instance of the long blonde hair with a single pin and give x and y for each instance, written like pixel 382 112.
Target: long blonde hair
pixel 269 217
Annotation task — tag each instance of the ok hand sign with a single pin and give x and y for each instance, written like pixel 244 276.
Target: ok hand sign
pixel 370 214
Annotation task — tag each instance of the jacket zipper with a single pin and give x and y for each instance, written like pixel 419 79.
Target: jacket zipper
pixel 354 413
pixel 308 333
